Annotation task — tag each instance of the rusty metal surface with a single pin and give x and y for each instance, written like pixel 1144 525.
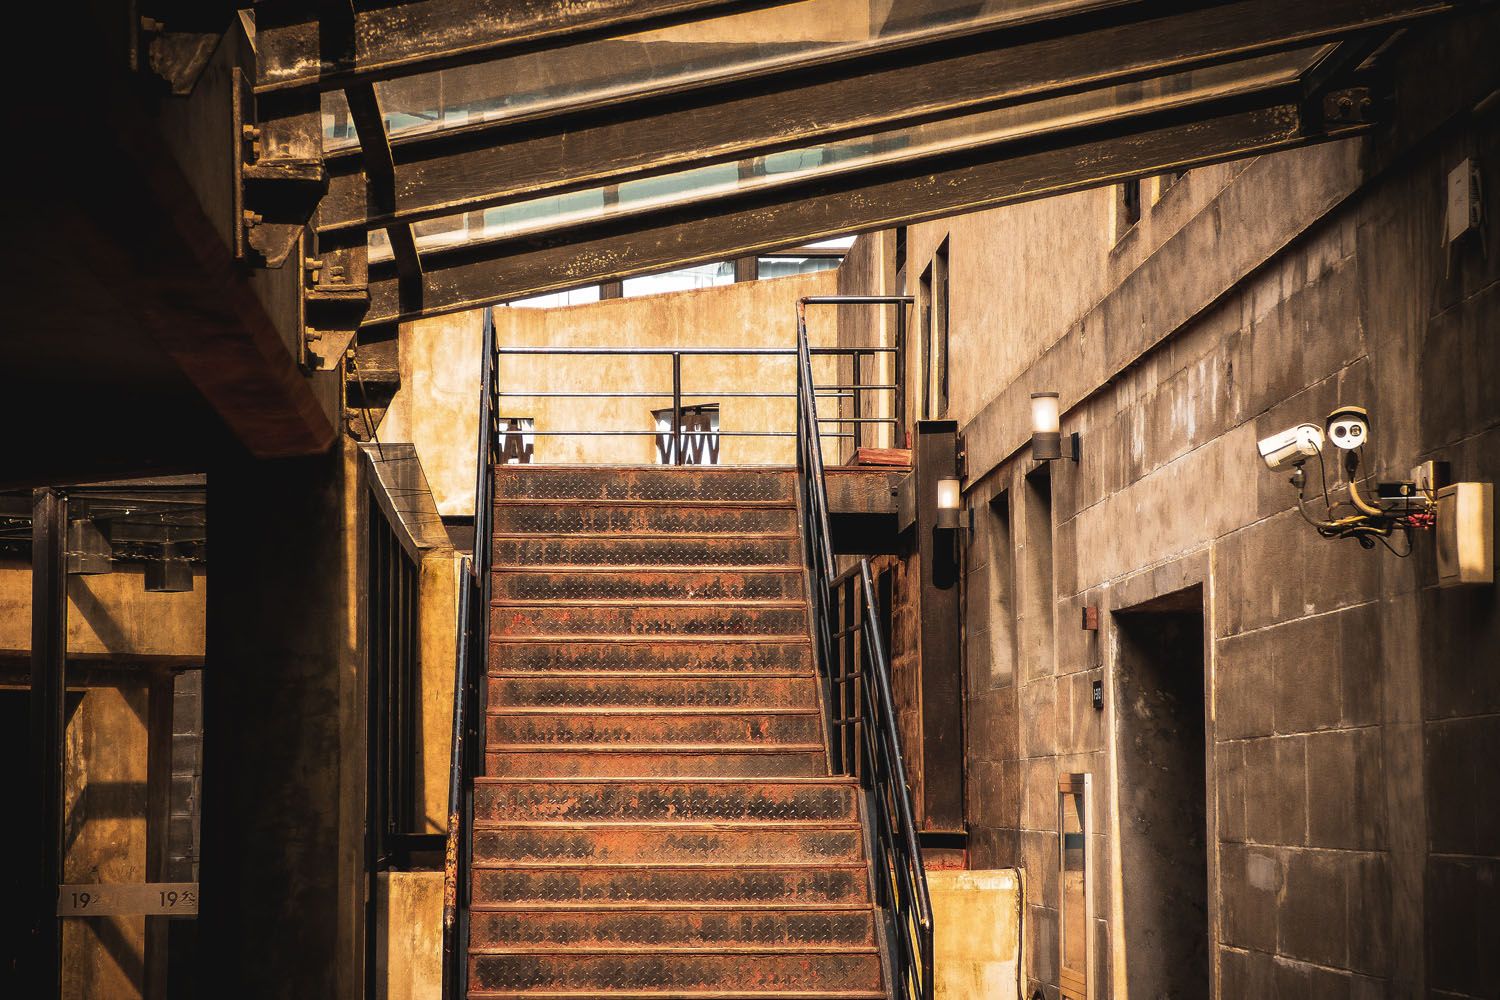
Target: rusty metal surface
pixel 652 727
pixel 764 691
pixel 712 761
pixel 671 843
pixel 692 656
pixel 718 485
pixel 663 585
pixel 690 927
pixel 642 519
pixel 764 969
pixel 658 779
pixel 614 550
pixel 660 619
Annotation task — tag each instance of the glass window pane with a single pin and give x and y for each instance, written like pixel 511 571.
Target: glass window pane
pixel 698 50
pixel 860 152
pixel 698 276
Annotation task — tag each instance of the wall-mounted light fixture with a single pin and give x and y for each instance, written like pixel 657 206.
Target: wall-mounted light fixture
pixel 1046 429
pixel 949 503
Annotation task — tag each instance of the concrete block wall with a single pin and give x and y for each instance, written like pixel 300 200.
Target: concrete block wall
pixel 1352 709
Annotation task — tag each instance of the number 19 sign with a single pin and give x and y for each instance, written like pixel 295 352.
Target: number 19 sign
pixel 128 899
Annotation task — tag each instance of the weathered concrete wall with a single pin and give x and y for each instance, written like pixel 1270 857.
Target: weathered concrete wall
pixel 435 407
pixel 109 613
pixel 284 731
pixel 1352 707
pixel 409 936
pixel 976 934
pixel 437 657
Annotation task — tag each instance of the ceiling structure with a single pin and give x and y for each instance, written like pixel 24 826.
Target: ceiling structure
pixel 279 178
pixel 481 152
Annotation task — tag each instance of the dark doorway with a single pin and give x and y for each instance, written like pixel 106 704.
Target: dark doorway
pixel 1163 797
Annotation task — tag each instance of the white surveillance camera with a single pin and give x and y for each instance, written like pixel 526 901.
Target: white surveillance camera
pixel 1348 427
pixel 1291 447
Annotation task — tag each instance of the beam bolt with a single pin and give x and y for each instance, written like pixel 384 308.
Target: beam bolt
pixel 253 218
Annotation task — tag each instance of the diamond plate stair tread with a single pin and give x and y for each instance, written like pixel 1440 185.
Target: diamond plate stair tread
pixel 623 551
pixel 766 762
pixel 657 994
pixel 609 584
pixel 571 517
pixel 771 691
pixel 678 968
pixel 739 884
pixel 645 483
pixel 689 656
pixel 666 926
pixel 673 620
pixel 675 843
pixel 602 799
pixel 655 726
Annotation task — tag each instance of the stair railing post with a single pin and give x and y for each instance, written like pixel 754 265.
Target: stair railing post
pixel 676 407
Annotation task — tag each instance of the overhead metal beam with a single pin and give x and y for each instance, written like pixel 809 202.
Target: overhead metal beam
pixel 900 194
pixel 419 36
pixel 473 167
pixel 380 186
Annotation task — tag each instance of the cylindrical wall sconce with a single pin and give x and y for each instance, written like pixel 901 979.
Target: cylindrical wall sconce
pixel 1046 427
pixel 949 503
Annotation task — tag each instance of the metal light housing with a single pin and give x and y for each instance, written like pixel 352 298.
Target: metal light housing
pixel 1046 427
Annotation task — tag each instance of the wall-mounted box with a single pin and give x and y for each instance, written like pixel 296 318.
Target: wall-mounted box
pixel 1466 534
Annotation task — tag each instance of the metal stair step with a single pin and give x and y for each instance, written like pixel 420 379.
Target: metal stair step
pixel 661 762
pixel 648 620
pixel 645 483
pixel 679 968
pixel 647 800
pixel 570 517
pixel 653 726
pixel 701 551
pixel 661 690
pixel 624 885
pixel 668 843
pixel 810 927
pixel 647 585
pixel 703 655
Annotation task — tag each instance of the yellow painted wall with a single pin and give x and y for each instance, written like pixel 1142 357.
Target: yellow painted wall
pixel 976 934
pixel 109 613
pixel 435 407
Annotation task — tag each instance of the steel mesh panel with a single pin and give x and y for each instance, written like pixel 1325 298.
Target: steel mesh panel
pixel 634 845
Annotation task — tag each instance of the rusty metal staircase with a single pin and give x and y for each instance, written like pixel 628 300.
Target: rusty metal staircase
pixel 656 814
pixel 648 798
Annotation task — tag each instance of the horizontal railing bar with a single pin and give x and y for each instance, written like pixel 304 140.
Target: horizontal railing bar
pixel 857 420
pixel 691 352
pixel 832 393
pixel 685 434
pixel 858 300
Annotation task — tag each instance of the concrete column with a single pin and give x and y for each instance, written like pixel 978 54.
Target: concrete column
pixel 282 911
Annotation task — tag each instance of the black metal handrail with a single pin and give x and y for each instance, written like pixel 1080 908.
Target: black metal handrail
pixel 856 679
pixel 468 708
pixel 856 390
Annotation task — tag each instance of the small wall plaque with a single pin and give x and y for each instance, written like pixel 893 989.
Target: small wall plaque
pixel 128 899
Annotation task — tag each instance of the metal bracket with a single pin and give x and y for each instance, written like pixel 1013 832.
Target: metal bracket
pixel 1349 106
